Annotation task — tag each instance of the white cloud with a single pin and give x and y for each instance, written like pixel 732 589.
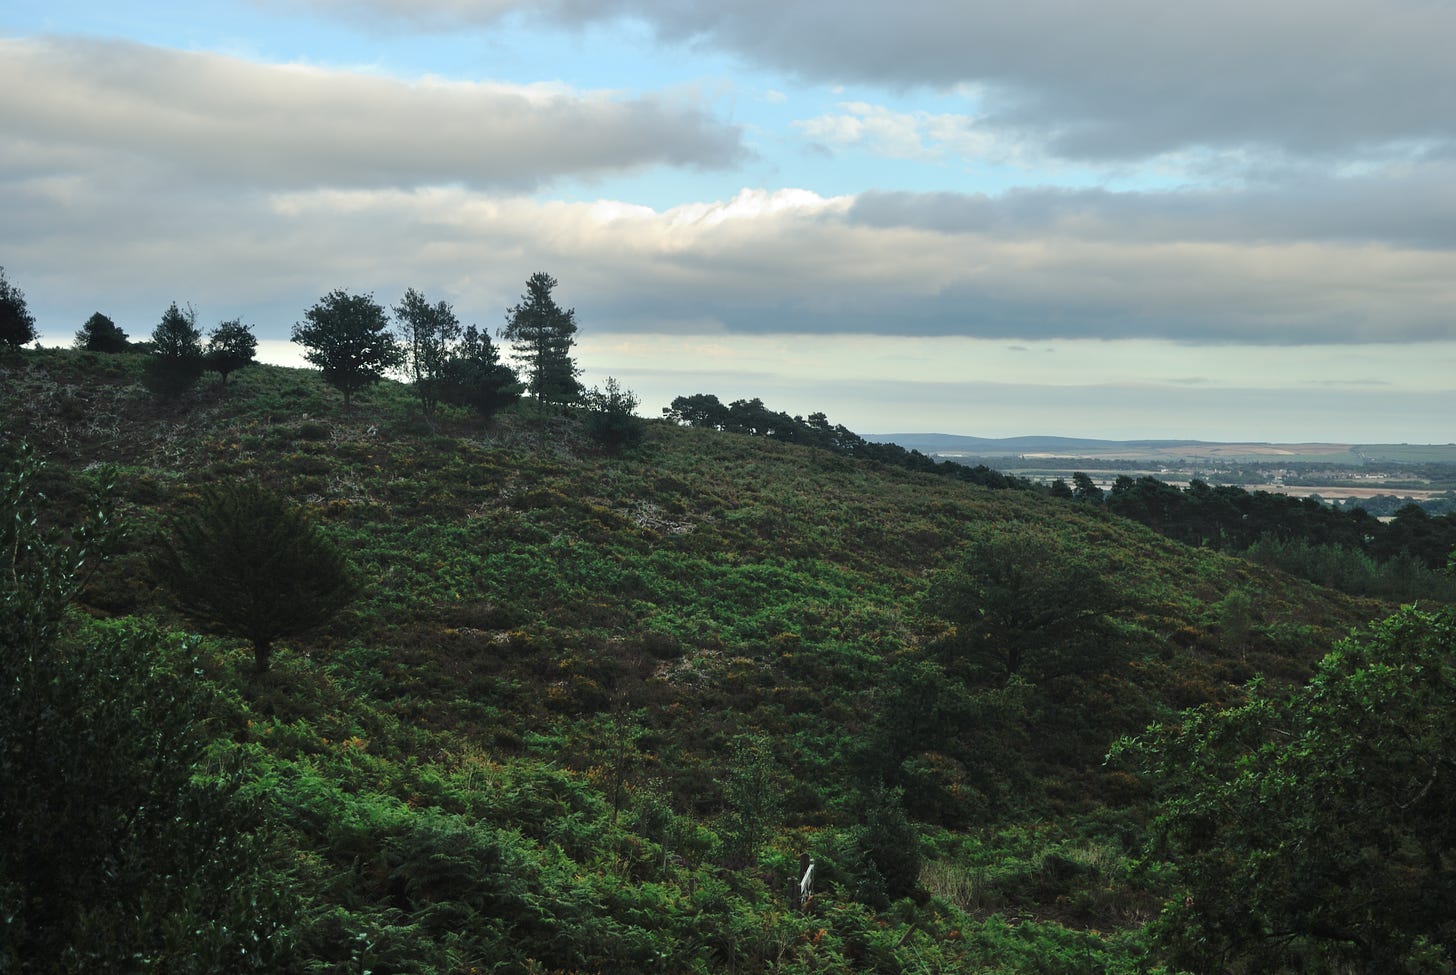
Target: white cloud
pixel 920 135
pixel 208 118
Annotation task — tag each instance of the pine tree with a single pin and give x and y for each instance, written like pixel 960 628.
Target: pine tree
pixel 541 335
pixel 247 562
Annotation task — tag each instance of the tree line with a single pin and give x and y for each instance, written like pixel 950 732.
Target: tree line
pixel 355 343
pixel 1349 549
pixel 752 418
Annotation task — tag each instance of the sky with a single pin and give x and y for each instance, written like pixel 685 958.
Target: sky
pixel 1133 219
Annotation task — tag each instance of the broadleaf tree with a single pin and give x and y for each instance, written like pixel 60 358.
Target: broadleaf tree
pixel 1313 830
pixel 541 334
pixel 428 334
pixel 347 336
pixel 17 324
pixel 230 346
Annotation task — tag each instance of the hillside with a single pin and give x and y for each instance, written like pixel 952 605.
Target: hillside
pixel 590 709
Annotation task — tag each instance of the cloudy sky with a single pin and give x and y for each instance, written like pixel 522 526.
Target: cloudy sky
pixel 1130 219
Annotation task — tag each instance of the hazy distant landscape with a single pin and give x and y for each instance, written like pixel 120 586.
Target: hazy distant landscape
pixel 1169 451
pixel 1335 472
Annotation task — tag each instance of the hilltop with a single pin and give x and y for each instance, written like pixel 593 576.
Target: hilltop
pixel 591 708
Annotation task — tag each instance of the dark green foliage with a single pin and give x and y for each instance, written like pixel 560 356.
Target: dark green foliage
pixel 699 410
pixel 542 334
pixel 101 334
pixel 427 335
pixel 115 842
pixel 957 754
pixel 753 798
pixel 1398 576
pixel 752 418
pixel 1415 533
pixel 347 336
pixel 246 562
pixel 474 376
pixel 1023 601
pixel 611 417
pixel 884 849
pixel 1315 830
pixel 1085 489
pixel 1346 549
pixel 42 569
pixel 230 346
pixel 176 361
pixel 17 324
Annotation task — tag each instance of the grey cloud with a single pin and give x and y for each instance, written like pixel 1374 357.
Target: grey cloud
pixel 1121 79
pixel 761 264
pixel 1414 206
pixel 212 118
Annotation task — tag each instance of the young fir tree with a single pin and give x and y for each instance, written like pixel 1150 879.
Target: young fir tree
pixel 475 377
pixel 541 335
pixel 611 417
pixel 176 361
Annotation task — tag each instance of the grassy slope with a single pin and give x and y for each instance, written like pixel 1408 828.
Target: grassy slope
pixel 550 634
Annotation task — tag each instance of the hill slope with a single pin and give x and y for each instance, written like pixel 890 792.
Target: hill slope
pixel 591 708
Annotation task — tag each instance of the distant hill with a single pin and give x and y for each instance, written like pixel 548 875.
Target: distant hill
pixel 953 446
